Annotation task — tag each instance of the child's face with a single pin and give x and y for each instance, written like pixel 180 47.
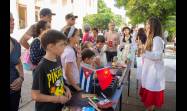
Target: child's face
pixel 89 61
pixel 76 37
pixel 58 48
pixel 100 45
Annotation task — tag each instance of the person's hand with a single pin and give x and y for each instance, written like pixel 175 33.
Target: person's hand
pixel 62 99
pixel 77 88
pixel 76 46
pixel 16 84
pixel 97 61
pixel 147 31
pixel 68 93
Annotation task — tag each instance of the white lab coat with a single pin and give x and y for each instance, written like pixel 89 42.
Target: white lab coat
pixel 153 77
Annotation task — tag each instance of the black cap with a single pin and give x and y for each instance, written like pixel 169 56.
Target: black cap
pixel 70 15
pixel 46 11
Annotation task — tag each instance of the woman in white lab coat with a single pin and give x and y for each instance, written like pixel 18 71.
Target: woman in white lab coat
pixel 152 79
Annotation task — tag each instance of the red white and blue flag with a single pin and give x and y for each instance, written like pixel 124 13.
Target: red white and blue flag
pixel 86 77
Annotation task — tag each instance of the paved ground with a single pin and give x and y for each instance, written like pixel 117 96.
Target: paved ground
pixel 131 103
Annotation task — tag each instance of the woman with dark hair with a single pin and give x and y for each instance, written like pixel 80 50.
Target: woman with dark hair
pixel 127 38
pixel 36 51
pixel 153 79
pixel 125 45
pixel 16 70
pixel 70 59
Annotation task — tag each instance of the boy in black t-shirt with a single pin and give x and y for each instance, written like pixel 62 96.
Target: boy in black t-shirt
pixel 48 89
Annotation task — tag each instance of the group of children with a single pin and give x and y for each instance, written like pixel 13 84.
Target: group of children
pixel 57 75
pixel 57 55
pixel 51 80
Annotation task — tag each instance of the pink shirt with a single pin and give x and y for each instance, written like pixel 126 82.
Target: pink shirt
pixel 87 37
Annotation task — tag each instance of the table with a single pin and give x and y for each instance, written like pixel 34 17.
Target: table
pixel 78 102
pixel 118 94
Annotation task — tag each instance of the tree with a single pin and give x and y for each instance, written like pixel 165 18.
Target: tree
pixel 170 25
pixel 102 8
pixel 139 10
pixel 100 20
pixel 118 20
pixel 103 17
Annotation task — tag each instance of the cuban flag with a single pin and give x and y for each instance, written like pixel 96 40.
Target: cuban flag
pixel 86 77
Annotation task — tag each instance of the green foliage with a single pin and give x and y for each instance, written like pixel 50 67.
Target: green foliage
pixel 139 10
pixel 102 8
pixel 100 20
pixel 118 20
pixel 170 25
pixel 103 17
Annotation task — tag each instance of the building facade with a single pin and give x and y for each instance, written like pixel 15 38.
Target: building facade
pixel 26 12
